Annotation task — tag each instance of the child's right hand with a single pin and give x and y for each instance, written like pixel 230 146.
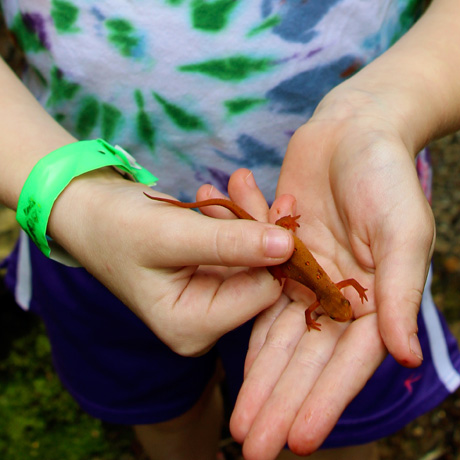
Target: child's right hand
pixel 150 255
pixel 167 264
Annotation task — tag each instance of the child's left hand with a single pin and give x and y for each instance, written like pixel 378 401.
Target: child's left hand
pixel 364 216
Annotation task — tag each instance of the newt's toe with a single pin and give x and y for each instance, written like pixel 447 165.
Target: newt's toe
pixel 288 222
pixel 311 323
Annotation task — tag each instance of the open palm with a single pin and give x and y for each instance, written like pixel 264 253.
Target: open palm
pixel 364 216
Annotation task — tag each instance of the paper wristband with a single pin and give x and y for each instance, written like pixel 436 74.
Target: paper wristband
pixel 51 175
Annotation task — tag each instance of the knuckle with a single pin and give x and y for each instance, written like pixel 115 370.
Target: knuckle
pixel 310 358
pixel 427 232
pixel 228 242
pixel 413 298
pixel 276 340
pixel 184 335
pixel 188 347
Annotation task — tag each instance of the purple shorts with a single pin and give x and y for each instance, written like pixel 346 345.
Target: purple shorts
pixel 118 371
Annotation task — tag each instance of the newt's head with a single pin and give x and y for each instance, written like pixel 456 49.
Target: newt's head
pixel 337 306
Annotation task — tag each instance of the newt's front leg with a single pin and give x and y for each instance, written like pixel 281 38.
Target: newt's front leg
pixel 311 323
pixel 288 222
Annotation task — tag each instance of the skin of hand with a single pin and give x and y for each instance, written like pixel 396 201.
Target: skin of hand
pixel 363 214
pixel 168 264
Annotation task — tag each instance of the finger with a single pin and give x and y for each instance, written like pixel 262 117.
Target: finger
pixel 269 431
pixel 356 357
pixel 260 330
pixel 244 191
pixel 271 361
pixel 284 205
pixel 184 237
pixel 400 279
pixel 237 299
pixel 208 191
pixel 206 306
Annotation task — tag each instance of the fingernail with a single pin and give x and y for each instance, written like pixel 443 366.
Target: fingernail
pixel 414 345
pixel 250 181
pixel 210 191
pixel 277 243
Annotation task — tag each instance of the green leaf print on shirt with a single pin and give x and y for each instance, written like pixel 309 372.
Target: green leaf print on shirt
pixel 61 89
pixel 41 78
pixel 122 35
pixel 212 16
pixel 234 68
pixel 145 127
pixel 180 116
pixel 111 118
pixel 27 38
pixel 87 116
pixel 412 11
pixel 242 104
pixel 269 23
pixel 64 15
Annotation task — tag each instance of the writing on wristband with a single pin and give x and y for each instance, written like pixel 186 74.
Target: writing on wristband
pixel 51 175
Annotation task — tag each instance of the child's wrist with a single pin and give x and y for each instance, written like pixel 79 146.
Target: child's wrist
pixel 354 110
pixel 54 172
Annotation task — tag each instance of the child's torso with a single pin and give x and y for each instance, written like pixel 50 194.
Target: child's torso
pixel 197 88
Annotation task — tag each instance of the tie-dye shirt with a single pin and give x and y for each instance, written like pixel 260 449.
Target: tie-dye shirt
pixel 195 89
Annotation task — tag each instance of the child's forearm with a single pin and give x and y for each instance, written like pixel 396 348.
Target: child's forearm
pixel 27 133
pixel 418 78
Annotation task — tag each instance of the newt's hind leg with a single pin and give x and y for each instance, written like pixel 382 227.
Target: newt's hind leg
pixel 352 282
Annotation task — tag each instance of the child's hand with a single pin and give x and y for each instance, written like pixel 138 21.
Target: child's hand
pixel 364 216
pixel 167 263
pixel 351 169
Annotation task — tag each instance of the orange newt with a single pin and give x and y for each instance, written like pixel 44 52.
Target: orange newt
pixel 301 267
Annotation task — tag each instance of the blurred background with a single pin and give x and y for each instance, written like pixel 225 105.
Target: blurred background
pixel 38 419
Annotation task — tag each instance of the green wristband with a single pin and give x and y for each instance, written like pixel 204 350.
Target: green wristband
pixel 51 175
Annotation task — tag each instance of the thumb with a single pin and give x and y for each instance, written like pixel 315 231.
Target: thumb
pixel 195 239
